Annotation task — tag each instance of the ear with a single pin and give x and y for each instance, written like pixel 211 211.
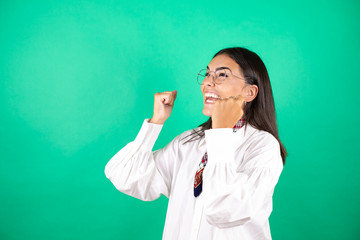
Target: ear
pixel 251 92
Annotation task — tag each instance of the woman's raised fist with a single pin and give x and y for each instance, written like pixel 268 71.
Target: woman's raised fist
pixel 163 105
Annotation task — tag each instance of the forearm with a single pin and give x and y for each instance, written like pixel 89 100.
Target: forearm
pixel 234 195
pixel 132 170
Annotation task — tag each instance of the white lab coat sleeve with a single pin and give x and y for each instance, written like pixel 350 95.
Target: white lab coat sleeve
pixel 138 171
pixel 234 195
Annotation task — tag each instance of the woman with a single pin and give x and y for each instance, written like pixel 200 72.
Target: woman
pixel 219 177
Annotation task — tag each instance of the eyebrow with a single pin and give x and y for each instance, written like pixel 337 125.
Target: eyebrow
pixel 219 68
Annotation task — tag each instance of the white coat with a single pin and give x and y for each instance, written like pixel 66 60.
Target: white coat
pixel 238 181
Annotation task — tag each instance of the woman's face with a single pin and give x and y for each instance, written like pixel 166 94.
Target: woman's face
pixel 232 86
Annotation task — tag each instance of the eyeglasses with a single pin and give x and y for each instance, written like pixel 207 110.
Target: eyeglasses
pixel 218 77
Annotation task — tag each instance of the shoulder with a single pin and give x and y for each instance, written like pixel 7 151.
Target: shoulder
pixel 179 140
pixel 188 134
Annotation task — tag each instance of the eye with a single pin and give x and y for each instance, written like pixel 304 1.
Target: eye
pixel 223 74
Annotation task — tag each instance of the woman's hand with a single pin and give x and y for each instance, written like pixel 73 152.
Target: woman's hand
pixel 227 112
pixel 163 105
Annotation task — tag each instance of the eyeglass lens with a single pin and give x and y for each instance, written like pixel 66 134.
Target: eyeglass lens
pixel 219 76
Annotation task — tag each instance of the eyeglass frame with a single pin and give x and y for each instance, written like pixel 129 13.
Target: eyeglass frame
pixel 213 78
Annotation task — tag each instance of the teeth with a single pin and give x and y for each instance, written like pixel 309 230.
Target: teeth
pixel 212 95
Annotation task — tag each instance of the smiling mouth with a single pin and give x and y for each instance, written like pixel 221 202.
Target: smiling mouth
pixel 211 98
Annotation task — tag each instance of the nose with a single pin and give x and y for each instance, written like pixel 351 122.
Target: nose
pixel 209 80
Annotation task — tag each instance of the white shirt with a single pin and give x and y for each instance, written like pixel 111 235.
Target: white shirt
pixel 238 181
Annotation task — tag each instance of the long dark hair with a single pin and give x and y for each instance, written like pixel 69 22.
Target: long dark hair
pixel 260 112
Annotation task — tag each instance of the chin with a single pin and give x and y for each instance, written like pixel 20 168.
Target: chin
pixel 207 112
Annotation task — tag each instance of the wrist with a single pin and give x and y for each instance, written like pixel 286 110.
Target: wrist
pixel 156 121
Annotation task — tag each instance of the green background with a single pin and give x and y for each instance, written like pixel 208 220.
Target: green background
pixel 77 79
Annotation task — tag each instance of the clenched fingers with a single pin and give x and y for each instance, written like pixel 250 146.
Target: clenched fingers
pixel 227 111
pixel 166 98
